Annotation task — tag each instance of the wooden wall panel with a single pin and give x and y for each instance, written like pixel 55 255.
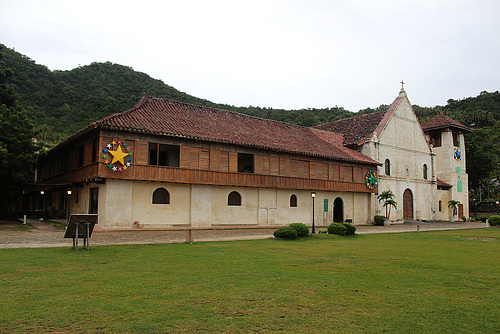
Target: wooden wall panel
pixel 184 157
pixel 295 168
pixel 224 161
pixel 359 174
pixel 303 169
pixel 312 170
pixel 194 158
pixel 265 165
pixel 274 165
pixel 233 162
pixel 141 152
pixel 214 160
pixel 204 159
pixel 285 167
pixel 321 171
pixel 346 173
pixel 257 160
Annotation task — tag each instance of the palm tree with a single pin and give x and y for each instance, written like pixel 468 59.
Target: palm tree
pixel 388 203
pixel 387 196
pixel 453 204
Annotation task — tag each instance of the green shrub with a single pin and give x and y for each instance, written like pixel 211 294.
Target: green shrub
pixel 302 229
pixel 286 232
pixel 350 229
pixel 337 228
pixel 322 231
pixel 482 218
pixel 464 218
pixel 379 220
pixel 494 220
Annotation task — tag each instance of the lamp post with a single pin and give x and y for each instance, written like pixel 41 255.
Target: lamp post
pixel 69 202
pixel 498 202
pixel 313 195
pixel 475 208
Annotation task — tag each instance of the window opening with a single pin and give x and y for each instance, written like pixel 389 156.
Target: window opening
pixel 293 201
pixel 161 196
pixel 456 141
pixel 425 171
pixel 436 140
pixel 387 167
pixel 163 155
pixel 245 163
pixel 93 200
pixel 234 199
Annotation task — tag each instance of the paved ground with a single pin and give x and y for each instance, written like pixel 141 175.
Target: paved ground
pixel 44 235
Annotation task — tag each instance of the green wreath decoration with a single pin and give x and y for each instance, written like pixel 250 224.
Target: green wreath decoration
pixel 371 180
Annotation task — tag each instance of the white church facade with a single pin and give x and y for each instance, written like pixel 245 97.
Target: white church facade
pixel 419 164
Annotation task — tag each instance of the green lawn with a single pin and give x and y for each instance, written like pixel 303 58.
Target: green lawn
pixel 429 282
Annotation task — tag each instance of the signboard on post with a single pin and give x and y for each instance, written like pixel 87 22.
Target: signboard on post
pixel 80 226
pixel 325 209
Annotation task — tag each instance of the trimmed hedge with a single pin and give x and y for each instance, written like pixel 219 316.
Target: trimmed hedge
pixel 286 232
pixel 494 220
pixel 337 228
pixel 302 229
pixel 379 220
pixel 350 229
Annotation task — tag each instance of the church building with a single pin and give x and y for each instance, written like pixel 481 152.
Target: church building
pixel 424 166
pixel 171 164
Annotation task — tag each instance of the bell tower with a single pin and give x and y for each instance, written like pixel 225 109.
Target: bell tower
pixel 446 137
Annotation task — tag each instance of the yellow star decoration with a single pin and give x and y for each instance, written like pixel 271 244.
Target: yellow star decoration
pixel 118 155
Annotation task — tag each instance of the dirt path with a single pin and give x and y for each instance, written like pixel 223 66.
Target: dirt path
pixel 45 235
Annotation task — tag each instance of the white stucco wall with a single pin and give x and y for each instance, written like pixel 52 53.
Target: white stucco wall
pixel 403 142
pixel 123 202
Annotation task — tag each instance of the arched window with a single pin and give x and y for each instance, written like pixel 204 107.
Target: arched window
pixel 387 167
pixel 425 171
pixel 234 199
pixel 161 196
pixel 293 201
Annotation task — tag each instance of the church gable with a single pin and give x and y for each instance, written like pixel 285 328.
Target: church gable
pixel 402 127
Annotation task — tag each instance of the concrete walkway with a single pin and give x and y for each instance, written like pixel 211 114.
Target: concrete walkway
pixel 45 235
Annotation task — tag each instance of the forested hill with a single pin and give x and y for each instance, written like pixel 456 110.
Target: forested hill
pixel 60 103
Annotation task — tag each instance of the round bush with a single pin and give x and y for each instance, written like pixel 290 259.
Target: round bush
pixel 286 232
pixel 379 220
pixel 337 228
pixel 494 220
pixel 350 229
pixel 302 229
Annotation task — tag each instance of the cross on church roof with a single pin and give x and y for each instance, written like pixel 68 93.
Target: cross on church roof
pixel 402 84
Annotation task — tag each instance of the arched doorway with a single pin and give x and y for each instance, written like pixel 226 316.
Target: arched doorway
pixel 338 210
pixel 407 204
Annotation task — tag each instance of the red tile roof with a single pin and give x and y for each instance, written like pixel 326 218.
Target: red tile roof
pixel 443 184
pixel 177 119
pixel 442 122
pixel 357 129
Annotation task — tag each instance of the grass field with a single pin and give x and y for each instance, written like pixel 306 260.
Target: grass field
pixel 429 282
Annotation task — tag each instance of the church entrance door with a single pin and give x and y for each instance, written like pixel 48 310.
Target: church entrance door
pixel 338 210
pixel 407 204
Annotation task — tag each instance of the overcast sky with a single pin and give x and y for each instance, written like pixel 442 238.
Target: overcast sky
pixel 289 54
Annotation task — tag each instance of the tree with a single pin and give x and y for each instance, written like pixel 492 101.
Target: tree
pixel 453 204
pixel 388 198
pixel 16 147
pixel 390 203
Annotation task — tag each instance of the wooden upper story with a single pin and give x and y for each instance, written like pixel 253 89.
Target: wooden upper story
pixel 170 159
